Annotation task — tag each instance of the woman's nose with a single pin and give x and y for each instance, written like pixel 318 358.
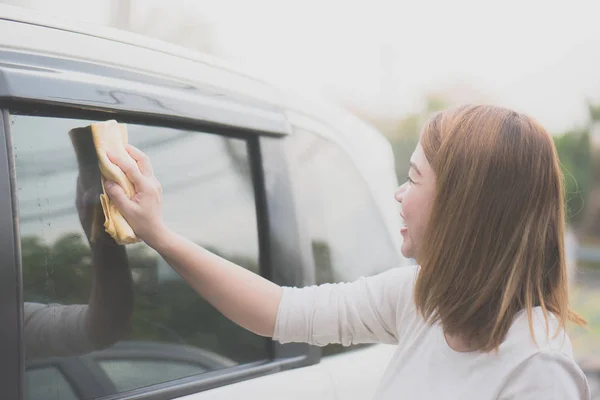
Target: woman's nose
pixel 399 192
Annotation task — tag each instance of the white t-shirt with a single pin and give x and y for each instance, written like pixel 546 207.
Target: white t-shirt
pixel 381 309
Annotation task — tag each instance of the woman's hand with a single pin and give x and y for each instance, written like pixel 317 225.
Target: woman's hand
pixel 143 211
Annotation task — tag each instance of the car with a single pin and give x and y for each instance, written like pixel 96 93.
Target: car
pixel 288 186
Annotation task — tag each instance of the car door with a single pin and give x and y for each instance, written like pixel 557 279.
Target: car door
pixel 225 187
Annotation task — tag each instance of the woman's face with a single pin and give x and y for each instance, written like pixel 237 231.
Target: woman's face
pixel 416 197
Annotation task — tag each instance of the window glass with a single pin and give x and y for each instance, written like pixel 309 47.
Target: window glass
pixel 48 383
pixel 81 297
pixel 348 235
pixel 131 374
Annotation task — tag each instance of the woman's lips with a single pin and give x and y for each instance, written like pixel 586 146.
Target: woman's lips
pixel 404 229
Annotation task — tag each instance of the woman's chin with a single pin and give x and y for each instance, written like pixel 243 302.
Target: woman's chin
pixel 406 250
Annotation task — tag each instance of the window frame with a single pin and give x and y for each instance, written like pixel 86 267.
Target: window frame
pixel 267 166
pixel 11 288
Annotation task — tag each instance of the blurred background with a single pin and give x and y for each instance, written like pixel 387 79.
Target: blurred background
pixel 393 63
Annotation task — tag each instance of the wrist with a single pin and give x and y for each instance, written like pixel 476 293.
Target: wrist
pixel 159 239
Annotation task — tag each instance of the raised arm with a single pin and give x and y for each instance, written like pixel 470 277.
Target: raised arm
pixel 242 296
pixel 359 312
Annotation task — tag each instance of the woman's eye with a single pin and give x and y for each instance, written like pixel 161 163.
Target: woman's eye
pixel 409 180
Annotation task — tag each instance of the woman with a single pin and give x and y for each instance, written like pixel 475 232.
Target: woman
pixel 483 315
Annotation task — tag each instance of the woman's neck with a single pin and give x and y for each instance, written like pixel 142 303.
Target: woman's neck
pixel 458 344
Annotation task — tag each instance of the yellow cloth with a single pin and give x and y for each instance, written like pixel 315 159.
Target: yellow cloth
pixel 112 137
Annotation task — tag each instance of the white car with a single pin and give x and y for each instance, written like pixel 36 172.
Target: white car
pixel 298 191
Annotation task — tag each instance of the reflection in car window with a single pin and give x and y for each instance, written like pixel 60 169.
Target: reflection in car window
pixel 48 383
pixel 128 374
pixel 348 235
pixel 208 197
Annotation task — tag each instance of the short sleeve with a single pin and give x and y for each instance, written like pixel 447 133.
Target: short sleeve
pixel 55 330
pixel 365 311
pixel 547 375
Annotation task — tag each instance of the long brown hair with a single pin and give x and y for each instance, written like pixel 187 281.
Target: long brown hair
pixel 495 241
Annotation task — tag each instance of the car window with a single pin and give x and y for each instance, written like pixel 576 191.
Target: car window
pixel 81 297
pixel 48 383
pixel 349 238
pixel 132 374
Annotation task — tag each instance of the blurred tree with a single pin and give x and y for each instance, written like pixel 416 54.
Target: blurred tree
pixel 579 152
pixel 575 156
pixel 594 112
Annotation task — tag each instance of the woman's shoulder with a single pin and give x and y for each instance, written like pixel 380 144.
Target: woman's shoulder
pixel 396 286
pixel 547 374
pixel 397 280
pixel 543 336
pixel 542 364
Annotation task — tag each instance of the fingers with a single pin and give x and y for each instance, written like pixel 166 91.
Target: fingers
pixel 142 160
pixel 117 194
pixel 130 168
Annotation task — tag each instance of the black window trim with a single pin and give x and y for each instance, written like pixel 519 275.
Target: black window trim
pixel 262 220
pixel 292 356
pixel 210 380
pixel 11 301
